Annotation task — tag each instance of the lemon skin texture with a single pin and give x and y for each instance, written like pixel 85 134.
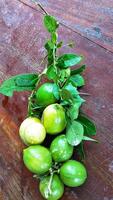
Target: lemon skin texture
pixel 54 119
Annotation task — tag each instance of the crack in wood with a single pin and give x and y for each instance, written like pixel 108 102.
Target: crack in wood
pixel 63 24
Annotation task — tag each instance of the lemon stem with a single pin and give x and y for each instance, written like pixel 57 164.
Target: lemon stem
pixel 50 183
pixel 41 7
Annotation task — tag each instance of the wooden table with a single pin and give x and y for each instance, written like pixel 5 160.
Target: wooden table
pixel 89 24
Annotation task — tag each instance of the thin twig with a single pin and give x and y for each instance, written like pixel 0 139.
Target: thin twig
pixel 43 60
pixel 69 44
pixel 83 93
pixel 38 4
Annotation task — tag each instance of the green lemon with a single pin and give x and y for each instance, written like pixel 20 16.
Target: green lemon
pixel 73 173
pixel 37 159
pixel 32 131
pixel 60 149
pixel 54 119
pixel 57 188
pixel 44 94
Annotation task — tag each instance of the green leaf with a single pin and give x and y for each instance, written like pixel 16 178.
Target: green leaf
pixel 18 83
pixel 78 100
pixel 49 45
pixel 69 93
pixel 56 91
pixel 65 95
pixel 64 103
pixel 54 37
pixel 26 80
pixel 78 70
pixel 89 139
pixel 34 109
pixel 50 49
pixel 77 80
pixel 68 60
pixel 72 90
pixel 80 151
pixel 51 73
pixel 74 133
pixel 73 111
pixel 50 23
pixel 64 74
pixel 89 126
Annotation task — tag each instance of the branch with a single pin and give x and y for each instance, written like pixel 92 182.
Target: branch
pixel 38 4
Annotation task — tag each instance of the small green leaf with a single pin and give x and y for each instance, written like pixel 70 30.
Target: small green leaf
pixel 50 23
pixel 49 45
pixel 50 49
pixel 85 138
pixel 89 139
pixel 71 44
pixel 56 91
pixel 18 83
pixel 51 73
pixel 68 60
pixel 89 126
pixel 77 80
pixel 54 37
pixel 59 45
pixel 78 70
pixel 74 133
pixel 35 107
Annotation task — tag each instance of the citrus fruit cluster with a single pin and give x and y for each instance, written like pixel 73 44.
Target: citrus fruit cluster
pixel 53 163
pixel 55 122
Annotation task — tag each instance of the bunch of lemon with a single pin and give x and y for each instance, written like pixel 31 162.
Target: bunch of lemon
pixel 53 164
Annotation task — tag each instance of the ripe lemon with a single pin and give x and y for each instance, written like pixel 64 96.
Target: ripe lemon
pixel 32 131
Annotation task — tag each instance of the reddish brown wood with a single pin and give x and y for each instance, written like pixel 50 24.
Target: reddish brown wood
pixel 22 38
pixel 91 19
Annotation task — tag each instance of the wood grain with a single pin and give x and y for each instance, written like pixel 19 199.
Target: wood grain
pixel 92 19
pixel 22 37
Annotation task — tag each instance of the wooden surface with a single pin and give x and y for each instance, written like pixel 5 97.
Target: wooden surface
pixel 89 24
pixel 92 19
